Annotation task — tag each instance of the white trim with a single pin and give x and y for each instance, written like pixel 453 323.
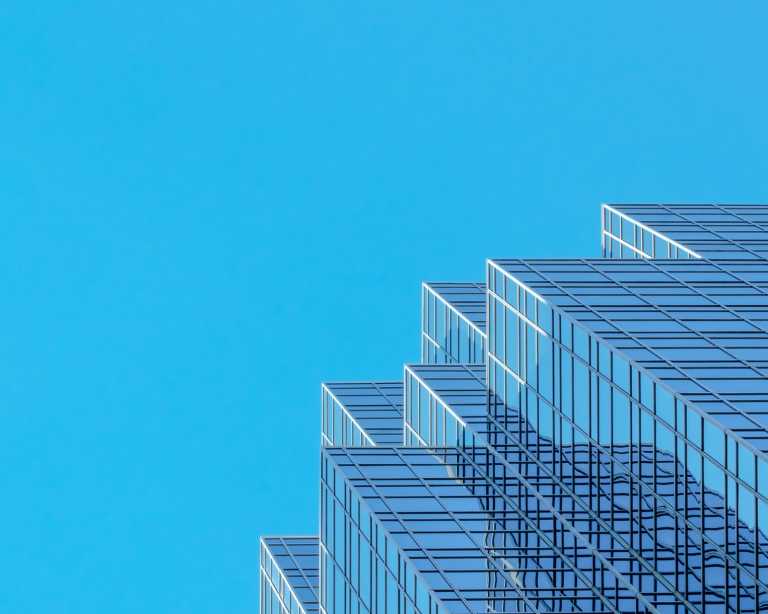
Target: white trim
pixel 627 245
pixel 649 229
pixel 346 411
pixel 282 575
pixel 519 313
pixel 412 430
pixel 432 340
pixel 507 369
pixel 322 416
pixel 602 227
pixel 514 279
pixel 273 588
pixel 320 566
pixel 434 293
pixel 434 395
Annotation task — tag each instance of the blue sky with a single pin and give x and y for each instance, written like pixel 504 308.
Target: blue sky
pixel 211 207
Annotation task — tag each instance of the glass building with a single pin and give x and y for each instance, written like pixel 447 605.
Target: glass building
pixel 453 322
pixel 362 414
pixel 582 435
pixel 289 575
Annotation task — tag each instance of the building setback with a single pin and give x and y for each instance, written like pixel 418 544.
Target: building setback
pixel 582 435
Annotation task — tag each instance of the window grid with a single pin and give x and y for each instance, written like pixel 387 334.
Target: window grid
pixel 711 231
pixel 423 495
pixel 288 568
pixel 453 323
pixel 512 442
pixel 585 435
pixel 685 449
pixel 362 413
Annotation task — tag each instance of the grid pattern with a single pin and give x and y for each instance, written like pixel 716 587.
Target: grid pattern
pixel 363 569
pixel 587 487
pixel 289 575
pixel 700 332
pixel 439 402
pixel 685 231
pixel 464 533
pixel 453 322
pixel 581 436
pixel 362 414
pixel 593 357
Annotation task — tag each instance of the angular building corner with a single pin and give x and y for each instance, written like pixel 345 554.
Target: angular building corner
pixel 580 436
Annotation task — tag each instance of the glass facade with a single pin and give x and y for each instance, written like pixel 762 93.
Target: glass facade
pixel 362 414
pixel 588 486
pixel 581 435
pixel 685 231
pixel 641 356
pixel 453 323
pixel 289 575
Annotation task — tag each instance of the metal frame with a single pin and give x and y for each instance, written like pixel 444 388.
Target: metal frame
pixel 285 595
pixel 605 451
pixel 453 322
